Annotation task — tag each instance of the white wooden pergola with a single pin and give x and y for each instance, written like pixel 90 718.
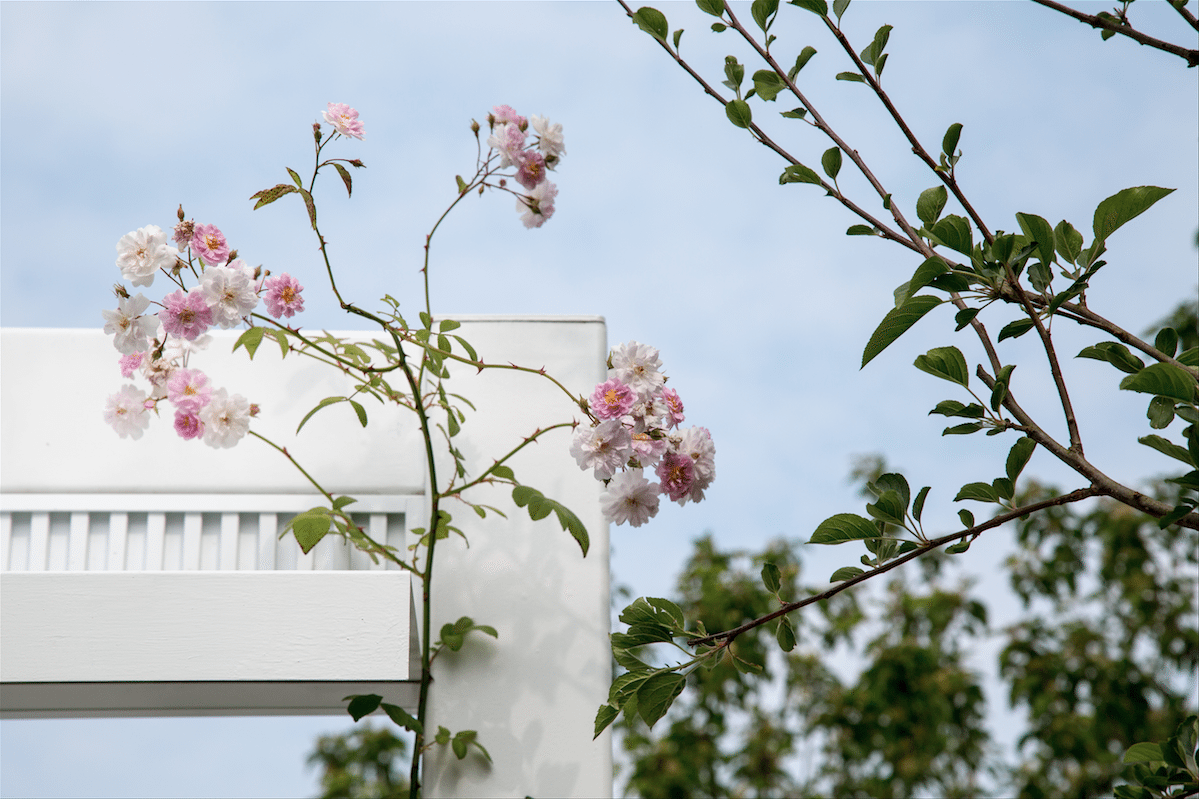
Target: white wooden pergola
pixel 142 578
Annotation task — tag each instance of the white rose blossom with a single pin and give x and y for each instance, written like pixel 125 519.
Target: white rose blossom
pixel 226 419
pixel 142 253
pixel 130 329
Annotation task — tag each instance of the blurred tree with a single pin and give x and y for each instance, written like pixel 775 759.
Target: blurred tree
pixel 364 763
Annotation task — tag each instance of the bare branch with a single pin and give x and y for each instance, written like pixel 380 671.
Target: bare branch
pixel 1190 56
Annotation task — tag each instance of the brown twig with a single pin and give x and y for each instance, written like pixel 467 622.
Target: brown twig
pixel 1190 56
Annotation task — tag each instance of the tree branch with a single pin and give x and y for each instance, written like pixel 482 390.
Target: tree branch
pixel 1003 518
pixel 1190 56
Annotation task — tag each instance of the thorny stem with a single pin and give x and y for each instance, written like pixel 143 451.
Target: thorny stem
pixel 1190 56
pixel 730 635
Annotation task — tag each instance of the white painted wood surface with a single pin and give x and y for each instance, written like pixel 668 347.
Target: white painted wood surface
pixel 108 504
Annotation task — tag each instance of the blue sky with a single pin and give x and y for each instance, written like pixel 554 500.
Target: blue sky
pixel 670 223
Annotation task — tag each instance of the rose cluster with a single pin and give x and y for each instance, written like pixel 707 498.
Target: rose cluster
pixel 638 429
pixel 509 132
pixel 159 344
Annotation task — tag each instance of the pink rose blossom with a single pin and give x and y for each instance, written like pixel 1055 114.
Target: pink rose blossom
pixel 647 449
pixel 283 296
pixel 604 448
pixel 612 399
pixel 344 120
pixel 185 315
pixel 183 234
pixel 531 169
pixel 509 142
pixel 131 363
pixel 188 425
pixel 677 473
pixel 189 389
pixel 674 407
pixel 630 498
pixel 538 205
pixel 209 243
pixel 504 114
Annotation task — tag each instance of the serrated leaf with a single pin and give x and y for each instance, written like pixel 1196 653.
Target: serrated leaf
pixel 815 6
pixel 363 705
pixel 762 11
pixel 850 76
pixel 888 508
pixel 767 84
pixel 1114 353
pixel 897 322
pixel 713 7
pixel 953 232
pixel 672 611
pixel 326 402
pixel 785 634
pixel 801 60
pixel 268 196
pixel 831 161
pixel 1040 276
pixel 1038 230
pixel 930 204
pixel 980 492
pixel 955 408
pixel 843 527
pixel 872 52
pixel 1068 241
pixel 962 429
pixel 947 363
pixel 845 573
pixel 402 717
pixel 892 481
pixel 926 273
pixel 652 21
pixel 1016 329
pixel 798 173
pixel 656 695
pixel 1168 448
pixel 1004 487
pixel 358 409
pixel 1124 206
pixel 604 717
pixel 964 317
pixel 839 7
pixel 1189 357
pixel 310 527
pixel 918 503
pixel 1162 379
pixel 770 577
pixel 739 113
pixel 1017 457
pixel 310 205
pixel 949 143
pixel 345 178
pixel 250 340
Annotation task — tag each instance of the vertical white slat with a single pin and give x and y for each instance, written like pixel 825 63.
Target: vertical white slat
pixel 58 542
pixel 39 541
pixel 156 534
pixel 268 533
pixel 77 541
pixel 5 540
pixel 193 532
pixel 377 527
pixel 230 525
pixel 96 557
pixel 118 537
pixel 397 533
pixel 247 541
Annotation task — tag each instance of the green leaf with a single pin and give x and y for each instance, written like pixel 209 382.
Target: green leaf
pixel 1004 487
pixel 503 472
pixel 999 393
pixel 1038 230
pixel 953 232
pixel 670 609
pixel 767 84
pixel 859 230
pixel 798 173
pixel 843 527
pixel 1115 354
pixel 981 492
pixel 962 429
pixel 268 196
pixel 888 508
pixel 926 273
pixel 250 340
pixel 652 21
pixel 713 7
pixel 873 52
pixel 345 178
pixel 358 409
pixel 401 717
pixel 1144 753
pixel 918 504
pixel 893 482
pixel 839 7
pixel 967 518
pixel 1160 413
pixel 845 573
pixel 326 402
pixel 1016 329
pixel 310 205
pixel 656 695
pixel 785 634
pixel 1123 207
pixel 831 161
pixel 295 177
pixel 949 143
pixel 930 204
pixel 341 502
pixel 801 61
pixel 1167 341
pixel 540 506
pixel 1162 379
pixel 1068 241
pixel 719 27
pixel 851 76
pixel 309 528
pixel 815 6
pixel 739 113
pixel 947 363
pixel 1041 276
pixel 1017 457
pixel 955 408
pixel 1189 357
pixel 1168 448
pixel 603 717
pixel 964 317
pixel 762 11
pixel 362 705
pixel 770 577
pixel 677 36
pixel 897 322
